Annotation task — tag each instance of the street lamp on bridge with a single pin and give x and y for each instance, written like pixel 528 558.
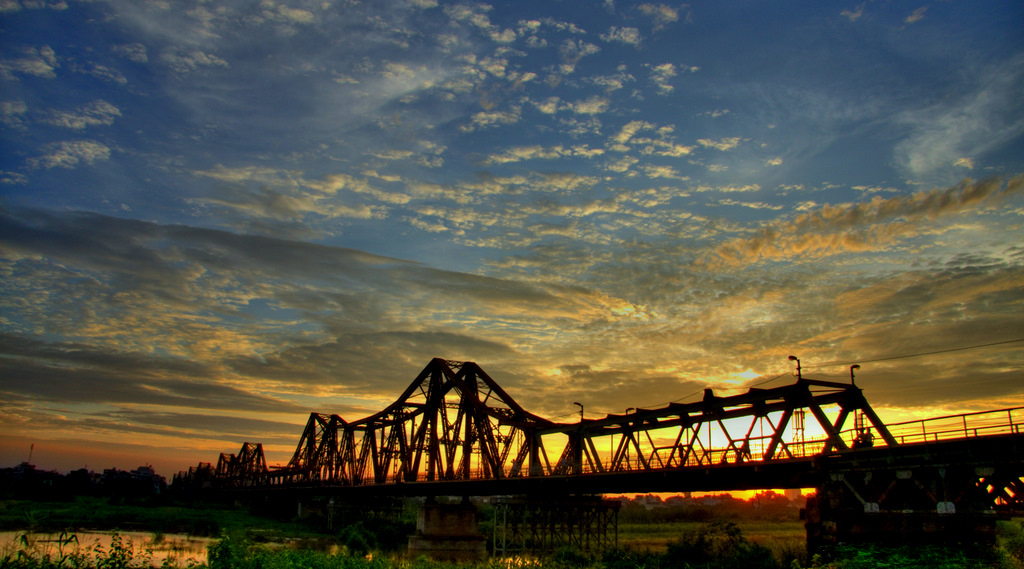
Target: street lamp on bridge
pixel 853 367
pixel 580 405
pixel 797 360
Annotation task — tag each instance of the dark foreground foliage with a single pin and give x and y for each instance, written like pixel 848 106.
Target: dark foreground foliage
pixel 713 546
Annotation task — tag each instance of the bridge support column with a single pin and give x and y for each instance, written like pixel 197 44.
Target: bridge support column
pixel 448 532
pixel 536 525
pixel 943 505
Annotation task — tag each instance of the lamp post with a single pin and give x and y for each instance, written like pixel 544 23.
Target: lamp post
pixel 580 405
pixel 853 367
pixel 797 360
pixel 629 465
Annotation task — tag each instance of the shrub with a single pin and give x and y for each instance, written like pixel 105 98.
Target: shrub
pixel 717 546
pixel 623 559
pixel 569 557
pixel 357 539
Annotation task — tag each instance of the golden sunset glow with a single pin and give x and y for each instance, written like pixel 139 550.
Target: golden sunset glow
pixel 216 218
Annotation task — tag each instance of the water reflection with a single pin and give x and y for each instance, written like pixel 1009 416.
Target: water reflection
pixel 175 549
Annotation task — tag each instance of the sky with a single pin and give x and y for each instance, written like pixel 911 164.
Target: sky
pixel 219 216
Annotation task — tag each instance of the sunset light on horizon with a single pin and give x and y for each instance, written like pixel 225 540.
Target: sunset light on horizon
pixel 218 217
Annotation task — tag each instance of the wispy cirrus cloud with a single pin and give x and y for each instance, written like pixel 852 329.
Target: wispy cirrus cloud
pixel 969 125
pixel 917 16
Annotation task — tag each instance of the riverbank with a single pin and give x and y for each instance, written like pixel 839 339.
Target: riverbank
pixel 90 513
pixel 146 549
pixel 96 532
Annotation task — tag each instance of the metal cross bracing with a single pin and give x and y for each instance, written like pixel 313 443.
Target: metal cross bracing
pixel 794 421
pixel 455 431
pixel 454 422
pixel 583 523
pixel 247 468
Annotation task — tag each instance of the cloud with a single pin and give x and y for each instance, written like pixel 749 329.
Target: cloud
pixel 660 75
pixel 724 144
pixel 12 114
pixel 548 106
pixel 70 154
pixel 281 13
pixel 292 203
pixel 97 113
pixel 489 119
pixel 476 15
pixel 521 153
pixel 190 292
pixel 39 62
pixel 135 52
pixel 571 52
pixel 749 205
pixel 621 164
pixel 591 106
pixel 984 118
pixel 662 171
pixel 614 82
pixel 917 16
pixel 729 189
pixel 853 15
pixel 55 371
pixel 629 130
pixel 183 61
pixel 660 13
pixel 834 230
pixel 626 35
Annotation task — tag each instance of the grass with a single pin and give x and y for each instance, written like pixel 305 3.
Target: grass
pixel 252 541
pixel 655 537
pixel 87 512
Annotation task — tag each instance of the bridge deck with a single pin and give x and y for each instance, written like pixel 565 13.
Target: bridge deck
pixel 997 451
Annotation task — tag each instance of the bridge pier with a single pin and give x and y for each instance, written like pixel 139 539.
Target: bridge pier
pixel 945 504
pixel 448 532
pixel 585 523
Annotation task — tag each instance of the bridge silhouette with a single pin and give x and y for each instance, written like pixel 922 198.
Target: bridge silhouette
pixel 455 432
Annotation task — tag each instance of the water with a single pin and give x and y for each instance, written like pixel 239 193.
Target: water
pixel 178 549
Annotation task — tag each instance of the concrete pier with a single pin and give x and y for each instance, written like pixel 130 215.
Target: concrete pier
pixel 448 532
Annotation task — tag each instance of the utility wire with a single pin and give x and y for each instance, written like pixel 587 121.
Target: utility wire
pixel 932 353
pixel 769 380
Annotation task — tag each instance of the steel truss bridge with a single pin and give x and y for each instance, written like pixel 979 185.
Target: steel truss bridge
pixel 455 432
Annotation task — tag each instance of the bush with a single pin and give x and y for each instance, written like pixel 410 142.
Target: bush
pixel 569 558
pixel 226 553
pixel 623 559
pixel 357 539
pixel 717 546
pixel 869 556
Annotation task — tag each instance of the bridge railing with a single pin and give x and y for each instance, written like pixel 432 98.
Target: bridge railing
pixel 966 425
